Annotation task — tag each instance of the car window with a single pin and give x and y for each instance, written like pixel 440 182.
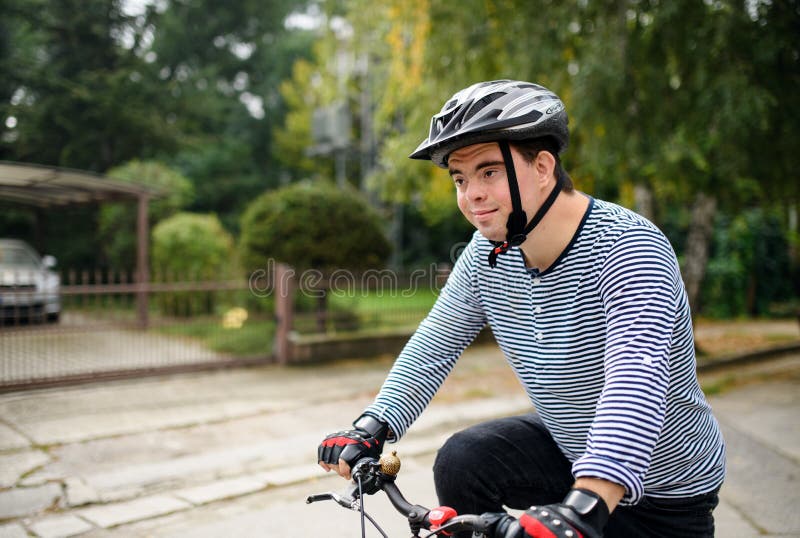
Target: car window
pixel 17 256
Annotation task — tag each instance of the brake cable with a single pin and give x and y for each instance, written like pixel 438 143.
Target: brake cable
pixel 364 514
pixel 361 507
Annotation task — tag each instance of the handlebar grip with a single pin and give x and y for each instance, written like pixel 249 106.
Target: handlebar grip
pixel 318 497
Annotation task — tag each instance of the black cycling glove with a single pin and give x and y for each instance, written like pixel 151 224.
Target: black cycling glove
pixel 365 440
pixel 582 514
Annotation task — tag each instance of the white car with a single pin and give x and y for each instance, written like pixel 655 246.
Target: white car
pixel 29 288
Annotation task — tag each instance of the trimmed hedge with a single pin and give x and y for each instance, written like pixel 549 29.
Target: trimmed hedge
pixel 313 225
pixel 191 247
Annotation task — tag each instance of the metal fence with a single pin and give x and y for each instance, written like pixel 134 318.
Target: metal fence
pixel 111 326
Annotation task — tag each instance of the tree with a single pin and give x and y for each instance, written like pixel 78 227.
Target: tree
pixel 408 57
pixel 79 96
pixel 313 225
pixel 222 63
pixel 190 84
pixel 75 92
pixel 668 96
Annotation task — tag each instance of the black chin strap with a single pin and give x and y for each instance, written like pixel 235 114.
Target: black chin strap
pixel 517 230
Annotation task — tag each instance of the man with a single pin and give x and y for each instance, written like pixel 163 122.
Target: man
pixel 586 301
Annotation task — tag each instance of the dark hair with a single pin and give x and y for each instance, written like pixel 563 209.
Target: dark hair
pixel 531 147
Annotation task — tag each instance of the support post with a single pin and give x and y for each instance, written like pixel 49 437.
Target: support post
pixel 284 311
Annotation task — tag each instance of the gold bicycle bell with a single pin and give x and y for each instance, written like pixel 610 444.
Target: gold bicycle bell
pixel 390 464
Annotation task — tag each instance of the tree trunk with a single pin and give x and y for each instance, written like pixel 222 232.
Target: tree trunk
pixel 643 201
pixel 695 261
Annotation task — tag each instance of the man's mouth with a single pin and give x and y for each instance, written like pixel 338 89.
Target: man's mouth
pixel 482 213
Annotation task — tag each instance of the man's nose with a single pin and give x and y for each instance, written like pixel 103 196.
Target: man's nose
pixel 476 190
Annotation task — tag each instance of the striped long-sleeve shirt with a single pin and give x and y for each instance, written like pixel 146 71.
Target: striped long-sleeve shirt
pixel 602 343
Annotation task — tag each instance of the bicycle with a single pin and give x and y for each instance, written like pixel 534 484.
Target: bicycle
pixel 371 476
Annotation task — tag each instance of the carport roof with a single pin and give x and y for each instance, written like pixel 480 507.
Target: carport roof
pixel 46 186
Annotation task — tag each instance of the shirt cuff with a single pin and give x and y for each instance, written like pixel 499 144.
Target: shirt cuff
pixel 396 430
pixel 613 471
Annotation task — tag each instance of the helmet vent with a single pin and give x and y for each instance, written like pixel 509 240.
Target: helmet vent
pixel 480 104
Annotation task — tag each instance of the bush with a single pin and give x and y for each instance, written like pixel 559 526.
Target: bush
pixel 750 268
pixel 191 247
pixel 313 225
pixel 117 222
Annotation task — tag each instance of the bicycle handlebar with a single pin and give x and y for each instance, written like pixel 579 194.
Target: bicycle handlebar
pixel 371 476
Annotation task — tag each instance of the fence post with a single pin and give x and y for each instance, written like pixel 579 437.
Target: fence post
pixel 283 284
pixel 142 261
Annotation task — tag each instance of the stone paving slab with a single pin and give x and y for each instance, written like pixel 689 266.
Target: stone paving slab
pixel 13 466
pixel 13 530
pixel 79 493
pixel 291 475
pixel 279 512
pixel 113 422
pixel 10 439
pixel 769 503
pixel 761 410
pixel 79 414
pixel 220 490
pixel 60 526
pixel 24 501
pixel 112 515
pixel 242 450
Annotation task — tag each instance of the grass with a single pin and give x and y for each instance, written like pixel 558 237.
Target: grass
pixel 719 386
pixel 373 310
pixel 385 310
pixel 253 338
pixel 368 302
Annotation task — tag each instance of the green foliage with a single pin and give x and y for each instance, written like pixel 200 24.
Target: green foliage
pixel 313 225
pixel 681 97
pixel 117 222
pixel 223 63
pixel 293 137
pixel 191 247
pixel 749 269
pixel 191 84
pixel 410 56
pixel 79 96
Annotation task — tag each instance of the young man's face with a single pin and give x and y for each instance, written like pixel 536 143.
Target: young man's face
pixel 479 174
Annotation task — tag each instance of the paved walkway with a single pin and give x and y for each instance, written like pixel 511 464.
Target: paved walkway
pixel 232 453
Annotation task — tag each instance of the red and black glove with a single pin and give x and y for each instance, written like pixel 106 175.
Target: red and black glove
pixel 365 440
pixel 582 514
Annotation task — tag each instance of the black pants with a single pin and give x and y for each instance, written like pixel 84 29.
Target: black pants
pixel 515 463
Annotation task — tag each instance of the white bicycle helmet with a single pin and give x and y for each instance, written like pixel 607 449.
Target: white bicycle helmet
pixel 493 111
pixel 500 111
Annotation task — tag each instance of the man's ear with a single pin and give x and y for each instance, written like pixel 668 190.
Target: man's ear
pixel 545 166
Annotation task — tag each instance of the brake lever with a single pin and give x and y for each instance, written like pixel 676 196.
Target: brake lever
pixel 348 499
pixel 345 499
